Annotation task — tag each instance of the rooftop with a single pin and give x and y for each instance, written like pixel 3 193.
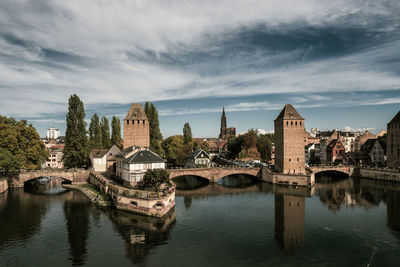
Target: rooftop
pixel 144 156
pixel 289 112
pixel 136 112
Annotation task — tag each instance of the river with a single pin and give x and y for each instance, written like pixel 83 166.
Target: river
pixel 345 222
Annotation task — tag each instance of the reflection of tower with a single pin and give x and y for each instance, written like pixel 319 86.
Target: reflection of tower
pixel 187 200
pixel 222 133
pixel 77 217
pixel 289 221
pixel 393 211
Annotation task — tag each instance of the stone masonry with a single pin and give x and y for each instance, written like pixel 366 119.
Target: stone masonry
pixel 136 127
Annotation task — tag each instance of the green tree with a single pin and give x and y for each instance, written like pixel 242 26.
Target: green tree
pixel 187 134
pixel 264 146
pixel 75 150
pixel 156 177
pixel 95 135
pixel 105 133
pixel 154 123
pixel 235 146
pixel 197 144
pixel 172 147
pixel 20 146
pixel 116 138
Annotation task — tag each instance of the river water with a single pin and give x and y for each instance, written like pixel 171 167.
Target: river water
pixel 348 222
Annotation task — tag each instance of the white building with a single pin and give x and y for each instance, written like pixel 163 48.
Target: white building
pixel 55 159
pixel 198 158
pixel 53 133
pixel 133 162
pixel 99 157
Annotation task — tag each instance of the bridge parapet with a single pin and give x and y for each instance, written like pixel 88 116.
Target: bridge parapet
pixel 347 169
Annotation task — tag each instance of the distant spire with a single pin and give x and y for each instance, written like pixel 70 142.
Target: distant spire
pixel 223 110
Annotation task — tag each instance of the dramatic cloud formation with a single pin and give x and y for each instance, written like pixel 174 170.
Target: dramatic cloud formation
pixel 130 51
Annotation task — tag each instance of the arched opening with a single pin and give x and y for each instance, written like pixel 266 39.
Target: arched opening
pixel 47 185
pixel 330 176
pixel 190 182
pixel 238 180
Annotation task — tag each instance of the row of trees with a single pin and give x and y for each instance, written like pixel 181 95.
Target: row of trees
pixel 78 141
pixel 251 145
pixel 99 132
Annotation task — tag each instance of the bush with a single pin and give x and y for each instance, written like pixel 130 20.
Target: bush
pixel 155 178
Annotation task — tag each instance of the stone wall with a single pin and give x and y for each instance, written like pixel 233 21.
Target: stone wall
pixel 136 133
pixel 3 185
pixel 288 179
pixel 377 174
pixel 213 174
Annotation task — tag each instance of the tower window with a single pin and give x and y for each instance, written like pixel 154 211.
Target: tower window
pixel 291 123
pixel 287 123
pixel 133 122
pixel 143 121
pixel 127 122
pixel 290 160
pixel 296 123
pixel 300 123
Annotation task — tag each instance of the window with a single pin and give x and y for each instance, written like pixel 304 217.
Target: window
pixel 127 121
pixel 133 122
pixel 297 159
pixel 296 123
pixel 300 123
pixel 287 123
pixel 291 123
pixel 290 160
pixel 143 121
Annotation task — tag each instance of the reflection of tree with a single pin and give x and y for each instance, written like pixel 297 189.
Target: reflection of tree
pixel 187 200
pixel 289 221
pixel 141 233
pixel 77 217
pixel 20 215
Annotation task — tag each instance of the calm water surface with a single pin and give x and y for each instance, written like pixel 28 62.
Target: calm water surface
pixel 235 223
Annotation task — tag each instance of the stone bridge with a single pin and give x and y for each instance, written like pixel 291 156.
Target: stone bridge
pixel 343 169
pixel 214 174
pixel 76 176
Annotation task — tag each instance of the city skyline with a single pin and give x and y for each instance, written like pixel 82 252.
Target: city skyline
pixel 337 63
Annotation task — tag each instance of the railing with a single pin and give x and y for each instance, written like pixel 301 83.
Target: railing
pixel 144 194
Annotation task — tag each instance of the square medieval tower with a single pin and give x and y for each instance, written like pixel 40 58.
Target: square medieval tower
pixel 289 142
pixel 136 127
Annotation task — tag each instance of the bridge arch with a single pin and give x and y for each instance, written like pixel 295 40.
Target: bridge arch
pixel 238 180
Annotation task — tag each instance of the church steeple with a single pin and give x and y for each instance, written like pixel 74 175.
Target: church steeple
pixel 222 133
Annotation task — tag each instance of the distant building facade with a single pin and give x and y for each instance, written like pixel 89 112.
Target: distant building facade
pixel 99 158
pixel 225 132
pixel 53 133
pixel 198 158
pixel 289 141
pixel 136 127
pixel 393 142
pixel 55 160
pixel 336 152
pixel 374 152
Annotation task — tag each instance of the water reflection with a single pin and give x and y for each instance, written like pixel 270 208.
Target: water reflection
pixel 238 180
pixel 142 233
pixel 76 211
pixel 289 221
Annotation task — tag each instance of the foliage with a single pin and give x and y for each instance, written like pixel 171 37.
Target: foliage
pixel 156 177
pixel 264 146
pixel 250 139
pixel 95 137
pixel 20 146
pixel 173 147
pixel 76 149
pixel 187 134
pixel 197 144
pixel 235 146
pixel 116 138
pixel 105 133
pixel 155 133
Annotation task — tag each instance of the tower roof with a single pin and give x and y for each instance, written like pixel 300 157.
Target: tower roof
pixel 136 112
pixel 396 119
pixel 289 112
pixel 223 111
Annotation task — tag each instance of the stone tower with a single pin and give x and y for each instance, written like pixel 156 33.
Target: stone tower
pixel 222 133
pixel 289 142
pixel 136 127
pixel 393 142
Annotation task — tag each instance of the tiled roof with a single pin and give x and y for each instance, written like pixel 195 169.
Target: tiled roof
pixel 144 156
pixel 396 119
pixel 124 152
pixel 136 112
pixel 368 145
pixel 98 153
pixel 197 152
pixel 289 112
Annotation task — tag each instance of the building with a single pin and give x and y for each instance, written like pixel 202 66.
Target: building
pixel 348 140
pixel 361 139
pixel 225 132
pixel 136 127
pixel 336 152
pixel 99 158
pixel 373 152
pixel 133 162
pixel 198 158
pixel 55 159
pixel 53 133
pixel 393 142
pixel 312 153
pixel 289 141
pixel 326 138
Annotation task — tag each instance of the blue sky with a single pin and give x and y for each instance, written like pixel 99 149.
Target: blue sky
pixel 337 62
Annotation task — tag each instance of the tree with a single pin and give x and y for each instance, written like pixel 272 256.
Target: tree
pixel 187 134
pixel 235 146
pixel 264 146
pixel 197 144
pixel 116 138
pixel 154 123
pixel 172 147
pixel 105 133
pixel 20 146
pixel 75 150
pixel 156 177
pixel 95 136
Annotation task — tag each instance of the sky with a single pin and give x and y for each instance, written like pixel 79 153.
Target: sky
pixel 337 62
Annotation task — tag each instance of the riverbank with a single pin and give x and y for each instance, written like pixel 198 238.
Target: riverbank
pixel 377 174
pixel 3 186
pixel 92 193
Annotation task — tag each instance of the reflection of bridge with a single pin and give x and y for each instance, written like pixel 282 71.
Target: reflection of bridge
pixel 75 176
pixel 214 174
pixel 329 168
